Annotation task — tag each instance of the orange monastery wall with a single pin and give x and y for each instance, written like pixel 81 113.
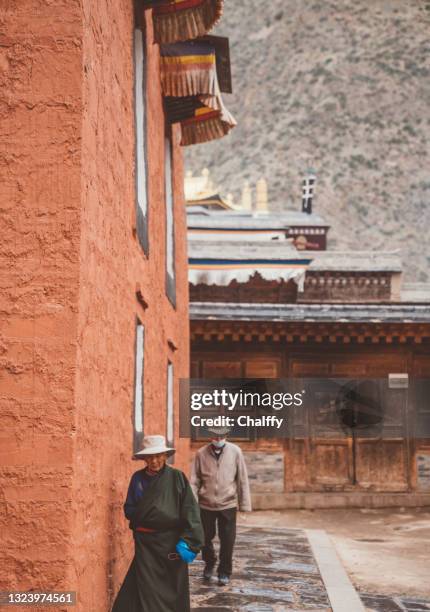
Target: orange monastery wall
pixel 41 112
pixel 70 267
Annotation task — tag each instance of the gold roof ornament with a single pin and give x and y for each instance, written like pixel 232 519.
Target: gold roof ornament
pixel 200 190
pixel 246 196
pixel 229 200
pixel 200 186
pixel 261 203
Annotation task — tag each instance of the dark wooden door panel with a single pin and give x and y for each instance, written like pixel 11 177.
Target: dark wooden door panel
pixel 262 368
pixel 296 465
pixel 349 369
pixel 309 368
pixel 222 369
pixel 331 464
pixel 421 366
pixel 382 465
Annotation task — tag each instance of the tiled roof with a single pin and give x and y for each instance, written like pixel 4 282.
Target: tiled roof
pixel 235 219
pixel 415 292
pixel 245 249
pixel 355 261
pixel 339 313
pixel 218 263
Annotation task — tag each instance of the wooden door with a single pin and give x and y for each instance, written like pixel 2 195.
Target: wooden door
pixel 342 457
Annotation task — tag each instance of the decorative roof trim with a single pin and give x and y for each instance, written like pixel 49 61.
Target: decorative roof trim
pixel 332 332
pixel 224 275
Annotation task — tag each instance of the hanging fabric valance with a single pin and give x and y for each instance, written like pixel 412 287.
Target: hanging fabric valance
pixel 190 84
pixel 223 276
pixel 176 20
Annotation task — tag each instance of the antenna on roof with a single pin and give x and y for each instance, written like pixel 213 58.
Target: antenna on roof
pixel 308 191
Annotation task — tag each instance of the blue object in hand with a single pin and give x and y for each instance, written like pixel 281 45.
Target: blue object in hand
pixel 185 552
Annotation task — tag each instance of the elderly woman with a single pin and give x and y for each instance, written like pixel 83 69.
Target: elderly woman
pixel 165 520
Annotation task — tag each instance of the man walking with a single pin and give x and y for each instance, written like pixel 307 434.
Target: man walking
pixel 219 480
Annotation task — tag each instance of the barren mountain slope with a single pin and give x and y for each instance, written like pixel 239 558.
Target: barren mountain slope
pixel 343 87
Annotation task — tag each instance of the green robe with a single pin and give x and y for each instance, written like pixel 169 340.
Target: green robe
pixel 155 583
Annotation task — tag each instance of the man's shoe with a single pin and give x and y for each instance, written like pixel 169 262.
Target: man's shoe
pixel 207 573
pixel 223 580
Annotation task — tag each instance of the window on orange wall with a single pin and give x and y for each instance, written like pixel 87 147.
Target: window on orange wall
pixel 141 162
pixel 170 228
pixel 170 416
pixel 138 386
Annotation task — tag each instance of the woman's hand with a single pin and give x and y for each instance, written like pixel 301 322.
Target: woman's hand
pixel 185 552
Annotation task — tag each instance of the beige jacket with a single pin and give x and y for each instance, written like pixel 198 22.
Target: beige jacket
pixel 219 484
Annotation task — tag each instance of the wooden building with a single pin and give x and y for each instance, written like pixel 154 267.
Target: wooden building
pixel 343 318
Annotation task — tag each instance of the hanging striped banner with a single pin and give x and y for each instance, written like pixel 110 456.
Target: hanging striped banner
pixel 188 69
pixel 178 20
pixel 190 85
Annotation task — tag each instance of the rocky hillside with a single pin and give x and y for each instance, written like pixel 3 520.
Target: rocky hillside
pixel 343 87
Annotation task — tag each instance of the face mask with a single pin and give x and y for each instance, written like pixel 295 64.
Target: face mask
pixel 218 443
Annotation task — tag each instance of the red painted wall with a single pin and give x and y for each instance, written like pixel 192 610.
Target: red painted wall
pixel 41 111
pixel 71 264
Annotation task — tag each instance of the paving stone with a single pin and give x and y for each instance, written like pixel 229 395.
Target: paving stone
pixel 229 599
pixel 277 595
pixel 256 607
pixel 383 603
pixel 211 609
pixel 415 604
pixel 291 566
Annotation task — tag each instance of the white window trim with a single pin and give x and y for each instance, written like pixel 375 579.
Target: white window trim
pixel 139 108
pixel 170 242
pixel 138 388
pixel 170 416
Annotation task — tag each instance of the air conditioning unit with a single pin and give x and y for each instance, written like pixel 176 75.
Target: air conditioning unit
pixel 398 381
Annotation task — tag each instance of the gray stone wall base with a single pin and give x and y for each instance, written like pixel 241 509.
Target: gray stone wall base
pixel 359 499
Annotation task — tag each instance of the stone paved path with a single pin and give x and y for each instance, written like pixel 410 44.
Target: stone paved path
pixel 275 571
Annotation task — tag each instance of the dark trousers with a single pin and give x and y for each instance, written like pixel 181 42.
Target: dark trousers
pixel 226 520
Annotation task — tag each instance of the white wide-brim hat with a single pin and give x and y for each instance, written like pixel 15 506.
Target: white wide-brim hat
pixel 152 445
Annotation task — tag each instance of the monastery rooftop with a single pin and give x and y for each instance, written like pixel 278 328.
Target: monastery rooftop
pixel 340 313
